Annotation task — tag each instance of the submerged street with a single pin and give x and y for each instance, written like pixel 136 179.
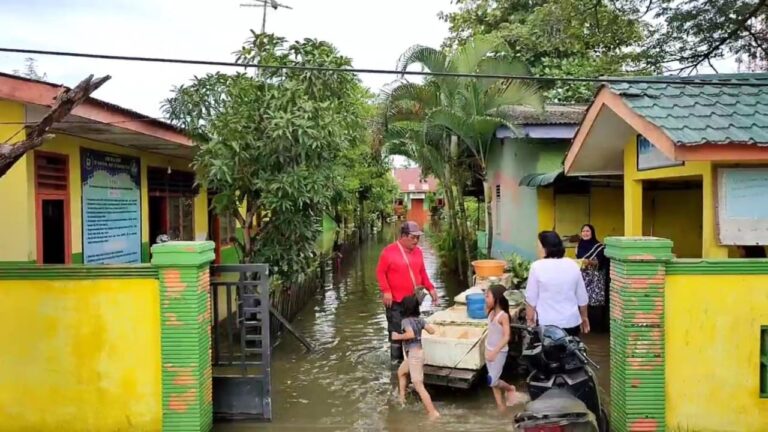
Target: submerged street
pixel 346 384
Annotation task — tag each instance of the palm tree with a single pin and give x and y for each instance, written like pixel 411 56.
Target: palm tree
pixel 467 108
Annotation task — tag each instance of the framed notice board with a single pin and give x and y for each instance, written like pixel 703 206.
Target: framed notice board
pixel 742 206
pixel 111 208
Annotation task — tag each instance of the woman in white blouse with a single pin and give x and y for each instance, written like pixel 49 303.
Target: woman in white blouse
pixel 555 294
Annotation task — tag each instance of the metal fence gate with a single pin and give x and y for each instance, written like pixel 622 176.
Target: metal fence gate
pixel 241 342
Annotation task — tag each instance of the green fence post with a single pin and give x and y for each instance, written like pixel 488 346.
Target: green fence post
pixel 638 273
pixel 185 307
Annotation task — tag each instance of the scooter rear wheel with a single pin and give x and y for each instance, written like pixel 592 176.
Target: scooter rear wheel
pixel 604 423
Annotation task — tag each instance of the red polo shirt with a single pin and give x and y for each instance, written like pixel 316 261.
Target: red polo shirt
pixel 392 272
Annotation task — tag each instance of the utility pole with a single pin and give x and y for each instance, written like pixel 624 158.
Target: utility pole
pixel 265 4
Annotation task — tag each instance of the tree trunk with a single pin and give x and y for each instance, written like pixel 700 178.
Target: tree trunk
pixel 465 232
pixel 453 223
pixel 488 216
pixel 464 255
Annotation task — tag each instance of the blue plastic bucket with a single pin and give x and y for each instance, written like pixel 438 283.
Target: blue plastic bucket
pixel 476 306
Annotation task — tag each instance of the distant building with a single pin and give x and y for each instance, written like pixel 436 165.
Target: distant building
pixel 416 192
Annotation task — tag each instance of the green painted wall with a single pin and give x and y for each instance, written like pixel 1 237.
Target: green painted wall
pixel 516 225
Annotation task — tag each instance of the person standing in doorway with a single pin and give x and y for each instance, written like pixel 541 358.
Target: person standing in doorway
pixel 401 273
pixel 595 269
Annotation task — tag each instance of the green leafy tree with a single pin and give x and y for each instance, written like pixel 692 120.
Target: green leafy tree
pixel 464 110
pixel 367 188
pixel 617 37
pixel 693 33
pixel 268 145
pixel 561 38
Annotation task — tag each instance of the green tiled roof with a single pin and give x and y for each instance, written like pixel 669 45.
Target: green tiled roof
pixel 696 114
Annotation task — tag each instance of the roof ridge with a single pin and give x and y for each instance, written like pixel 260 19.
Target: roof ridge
pixel 742 76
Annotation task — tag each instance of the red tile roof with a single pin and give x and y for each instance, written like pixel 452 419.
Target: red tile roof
pixel 412 176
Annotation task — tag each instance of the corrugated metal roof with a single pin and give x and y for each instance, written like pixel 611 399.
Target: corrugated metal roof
pixel 695 114
pixel 127 111
pixel 551 115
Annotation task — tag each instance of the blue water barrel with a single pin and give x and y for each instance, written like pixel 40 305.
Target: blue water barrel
pixel 476 306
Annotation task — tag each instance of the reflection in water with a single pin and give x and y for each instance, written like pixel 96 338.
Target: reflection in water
pixel 346 385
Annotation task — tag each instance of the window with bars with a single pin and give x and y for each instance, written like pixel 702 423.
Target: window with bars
pixel 178 190
pixel 227 229
pixel 51 173
pixel 764 362
pixel 181 220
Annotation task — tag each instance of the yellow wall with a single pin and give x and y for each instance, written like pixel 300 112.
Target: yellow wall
pixel 17 221
pixel 675 215
pixel 607 211
pixel 80 355
pixel 712 352
pixel 546 208
pixel 604 210
pixel 633 198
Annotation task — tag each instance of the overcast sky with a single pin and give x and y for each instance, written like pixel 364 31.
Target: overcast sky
pixel 372 32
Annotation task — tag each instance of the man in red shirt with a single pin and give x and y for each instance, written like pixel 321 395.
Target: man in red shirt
pixel 399 272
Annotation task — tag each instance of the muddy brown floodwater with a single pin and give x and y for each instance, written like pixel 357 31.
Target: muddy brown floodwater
pixel 346 385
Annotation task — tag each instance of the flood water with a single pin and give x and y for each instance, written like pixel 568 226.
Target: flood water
pixel 346 384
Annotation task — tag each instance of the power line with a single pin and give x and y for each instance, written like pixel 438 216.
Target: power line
pixel 390 71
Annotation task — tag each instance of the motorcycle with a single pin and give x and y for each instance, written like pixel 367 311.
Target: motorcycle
pixel 562 385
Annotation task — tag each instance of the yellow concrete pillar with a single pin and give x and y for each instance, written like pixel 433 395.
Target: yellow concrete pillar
pixel 710 247
pixel 633 208
pixel 201 215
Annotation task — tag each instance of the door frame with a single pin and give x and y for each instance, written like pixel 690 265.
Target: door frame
pixel 40 196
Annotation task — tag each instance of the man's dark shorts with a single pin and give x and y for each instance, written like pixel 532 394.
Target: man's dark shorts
pixel 395 324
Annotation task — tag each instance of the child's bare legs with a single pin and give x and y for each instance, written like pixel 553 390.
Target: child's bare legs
pixel 509 391
pixel 402 379
pixel 426 399
pixel 416 368
pixel 500 404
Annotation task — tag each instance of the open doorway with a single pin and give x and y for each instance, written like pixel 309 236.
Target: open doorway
pixel 673 209
pixel 54 243
pixel 158 217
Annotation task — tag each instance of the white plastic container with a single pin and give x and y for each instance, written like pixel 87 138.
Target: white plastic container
pixel 455 346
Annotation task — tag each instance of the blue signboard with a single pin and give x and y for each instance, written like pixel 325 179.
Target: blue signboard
pixel 111 208
pixel 649 157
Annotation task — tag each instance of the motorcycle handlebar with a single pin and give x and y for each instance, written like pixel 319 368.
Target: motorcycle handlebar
pixel 583 357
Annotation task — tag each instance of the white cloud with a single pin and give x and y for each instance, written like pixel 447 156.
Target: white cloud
pixel 372 33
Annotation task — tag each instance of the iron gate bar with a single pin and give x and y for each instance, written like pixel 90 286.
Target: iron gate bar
pixel 243 347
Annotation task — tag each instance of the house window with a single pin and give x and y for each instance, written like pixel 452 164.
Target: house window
pixel 181 221
pixel 52 208
pixel 764 362
pixel 411 187
pixel 227 229
pixel 171 204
